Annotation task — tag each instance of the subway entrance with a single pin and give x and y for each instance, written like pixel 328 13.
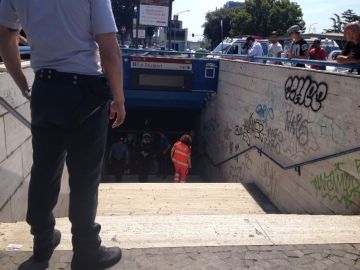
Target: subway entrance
pixel 139 150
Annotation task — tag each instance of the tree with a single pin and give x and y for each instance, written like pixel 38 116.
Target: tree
pixel 212 26
pixel 340 21
pixel 264 16
pixel 349 16
pixel 337 23
pixel 257 17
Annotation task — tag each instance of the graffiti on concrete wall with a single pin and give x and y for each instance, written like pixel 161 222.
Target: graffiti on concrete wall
pixel 273 141
pixel 357 163
pixel 268 173
pixel 297 126
pixel 329 128
pixel 264 113
pixel 306 92
pixel 252 127
pixel 237 172
pixel 338 185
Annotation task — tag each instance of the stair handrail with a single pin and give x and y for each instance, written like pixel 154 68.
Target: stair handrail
pixel 15 113
pixel 295 166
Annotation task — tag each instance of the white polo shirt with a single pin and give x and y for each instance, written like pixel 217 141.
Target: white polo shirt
pixel 256 50
pixel 61 33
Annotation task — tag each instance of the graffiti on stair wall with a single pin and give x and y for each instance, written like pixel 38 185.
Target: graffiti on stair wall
pixel 264 113
pixel 268 173
pixel 357 162
pixel 329 128
pixel 338 185
pixel 237 171
pixel 304 91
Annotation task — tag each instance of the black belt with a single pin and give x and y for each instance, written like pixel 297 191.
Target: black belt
pixel 71 78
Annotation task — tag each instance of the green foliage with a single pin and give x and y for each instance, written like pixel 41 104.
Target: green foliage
pixel 212 26
pixel 258 17
pixel 340 21
pixel 349 16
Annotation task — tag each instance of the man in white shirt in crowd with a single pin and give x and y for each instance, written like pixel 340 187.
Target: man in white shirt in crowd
pixel 253 48
pixel 275 48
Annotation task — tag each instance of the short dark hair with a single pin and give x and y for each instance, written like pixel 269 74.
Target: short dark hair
pixel 250 38
pixel 186 139
pixel 273 33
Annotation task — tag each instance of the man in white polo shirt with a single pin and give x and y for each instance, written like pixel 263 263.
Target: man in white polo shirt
pixel 69 109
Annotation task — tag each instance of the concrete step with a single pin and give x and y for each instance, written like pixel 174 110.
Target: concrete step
pixel 176 199
pixel 160 231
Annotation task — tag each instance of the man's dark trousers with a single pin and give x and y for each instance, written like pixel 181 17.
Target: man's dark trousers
pixel 56 141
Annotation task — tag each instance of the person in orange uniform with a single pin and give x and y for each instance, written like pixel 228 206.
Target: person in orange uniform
pixel 181 157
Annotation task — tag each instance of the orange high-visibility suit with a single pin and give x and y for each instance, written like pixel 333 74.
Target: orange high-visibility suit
pixel 181 157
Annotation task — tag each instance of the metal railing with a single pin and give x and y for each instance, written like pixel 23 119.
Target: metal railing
pixel 15 113
pixel 292 61
pixel 296 166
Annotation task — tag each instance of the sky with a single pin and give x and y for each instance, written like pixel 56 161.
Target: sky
pixel 316 13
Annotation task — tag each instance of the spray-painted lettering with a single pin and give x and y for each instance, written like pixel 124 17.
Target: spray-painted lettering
pixel 337 185
pixel 264 113
pixel 305 91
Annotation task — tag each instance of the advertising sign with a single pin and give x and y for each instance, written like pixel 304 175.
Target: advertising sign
pixel 154 15
pixel 141 33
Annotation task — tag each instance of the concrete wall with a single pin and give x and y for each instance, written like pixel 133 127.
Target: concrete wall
pixel 16 156
pixel 294 115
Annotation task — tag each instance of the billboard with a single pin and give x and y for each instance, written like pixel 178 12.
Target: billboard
pixel 164 3
pixel 154 15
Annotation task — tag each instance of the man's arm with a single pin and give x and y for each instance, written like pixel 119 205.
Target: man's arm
pixel 23 40
pixel 342 59
pixel 10 54
pixel 112 64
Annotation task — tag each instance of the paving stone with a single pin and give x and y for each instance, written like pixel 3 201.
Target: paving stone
pixel 280 262
pixel 317 256
pixel 203 258
pixel 347 261
pixel 334 258
pixel 271 255
pixel 294 253
pixel 302 260
pixel 340 266
pixel 351 256
pixel 251 255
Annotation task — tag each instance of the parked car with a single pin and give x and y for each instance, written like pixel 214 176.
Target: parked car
pixel 235 46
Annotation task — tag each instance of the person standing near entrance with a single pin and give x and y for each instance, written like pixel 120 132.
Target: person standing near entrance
pixel 181 158
pixel 69 109
pixel 119 158
pixel 299 47
pixel 317 53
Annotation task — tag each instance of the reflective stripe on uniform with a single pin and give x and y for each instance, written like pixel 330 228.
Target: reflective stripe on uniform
pixel 181 153
pixel 181 163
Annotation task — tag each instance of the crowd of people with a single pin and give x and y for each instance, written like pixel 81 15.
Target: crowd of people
pixel 300 49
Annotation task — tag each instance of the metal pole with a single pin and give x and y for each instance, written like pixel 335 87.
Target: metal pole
pixel 169 22
pixel 222 37
pixel 137 23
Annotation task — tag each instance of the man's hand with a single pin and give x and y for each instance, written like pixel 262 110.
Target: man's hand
pixel 117 111
pixel 27 95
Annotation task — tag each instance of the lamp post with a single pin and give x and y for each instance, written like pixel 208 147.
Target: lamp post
pixel 312 27
pixel 169 21
pixel 176 16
